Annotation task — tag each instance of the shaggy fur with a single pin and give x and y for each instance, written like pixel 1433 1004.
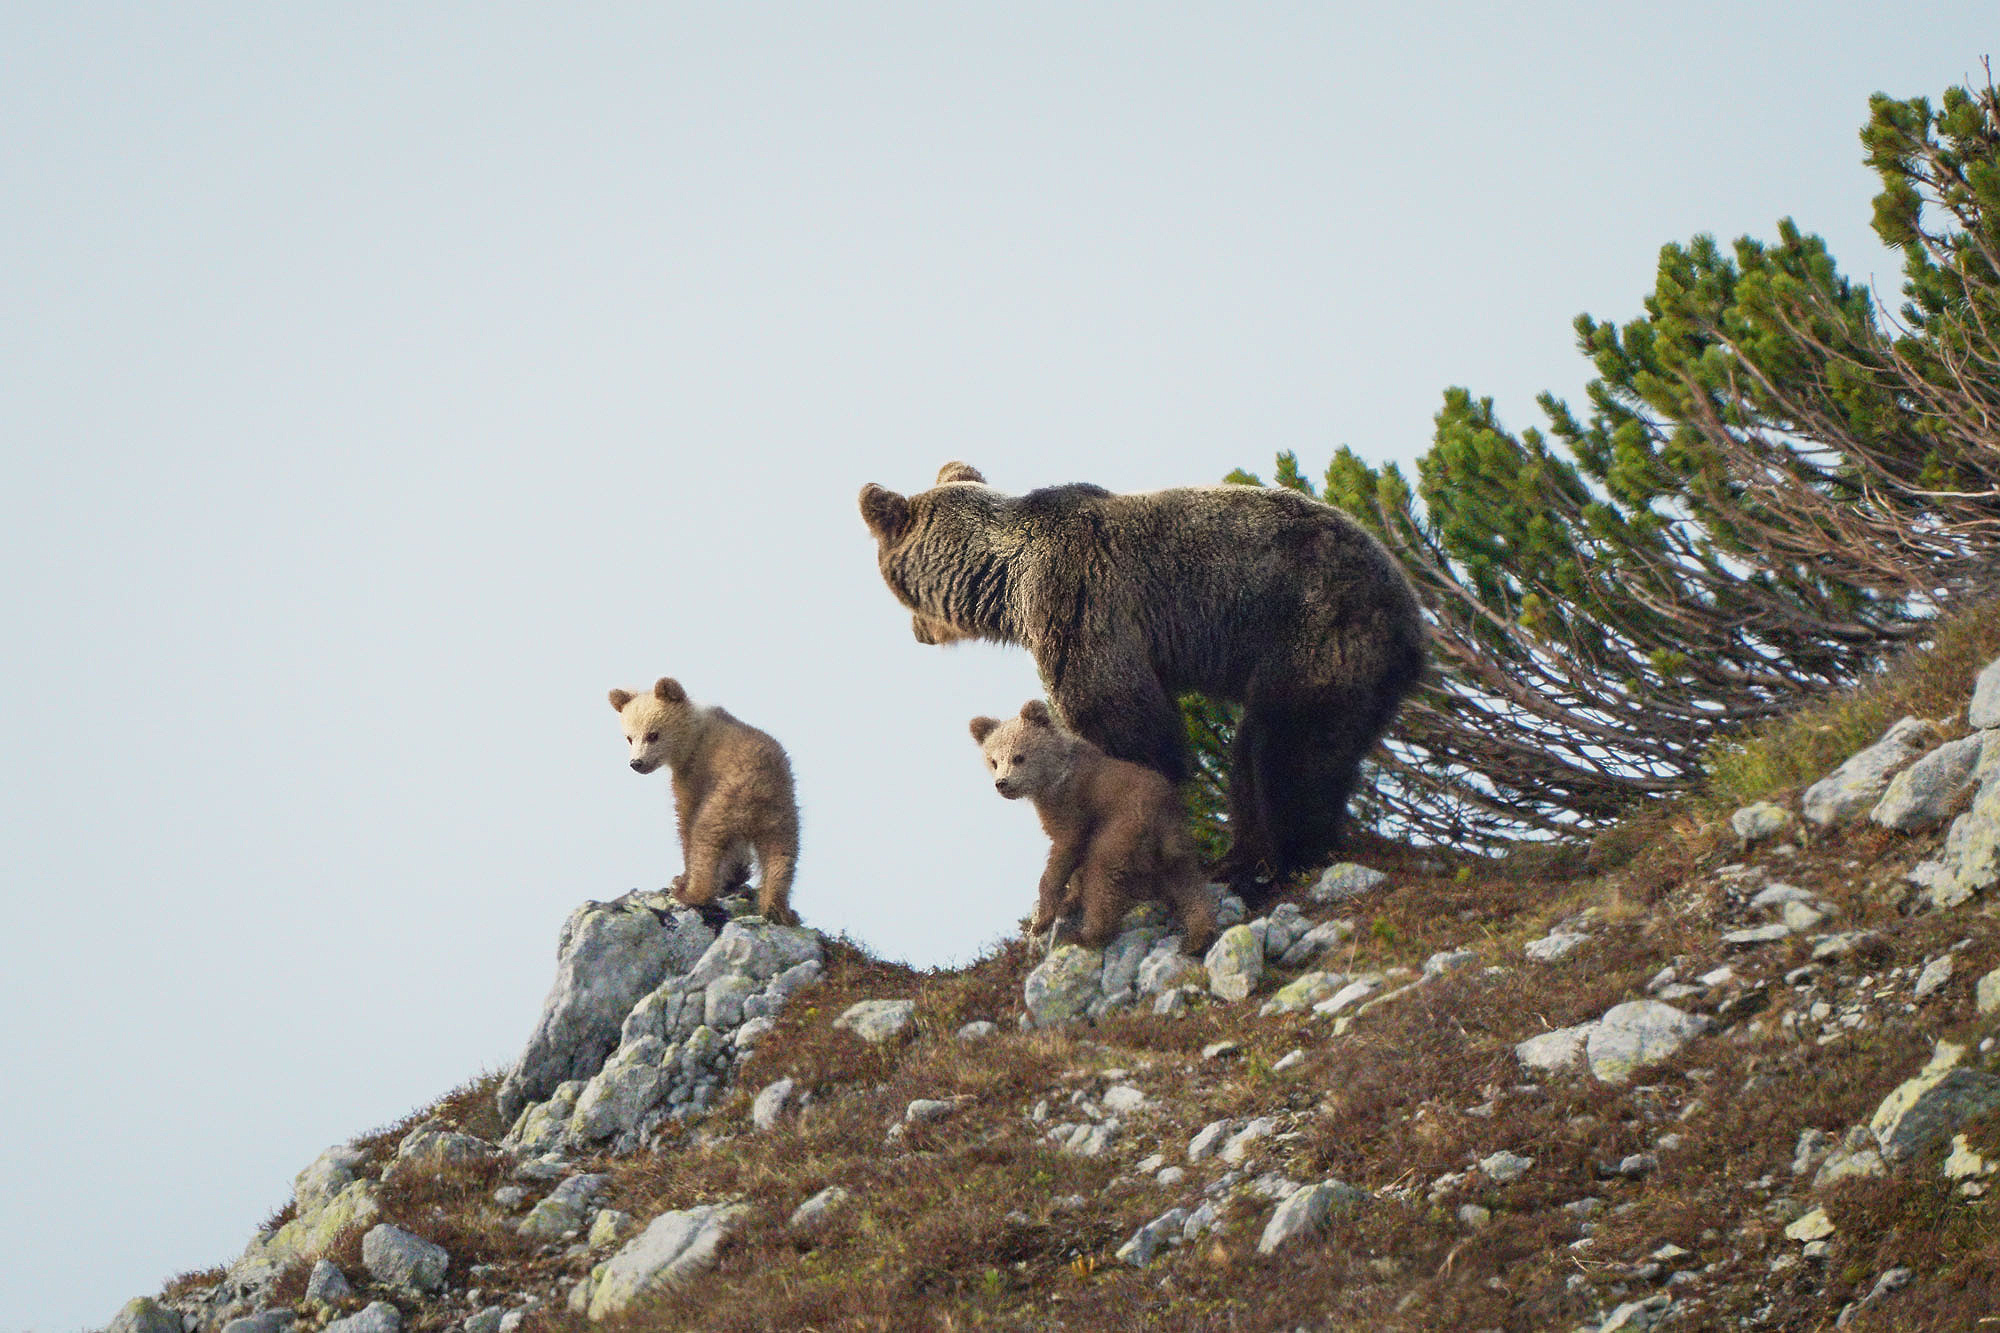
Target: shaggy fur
pixel 732 795
pixel 1260 596
pixel 1116 831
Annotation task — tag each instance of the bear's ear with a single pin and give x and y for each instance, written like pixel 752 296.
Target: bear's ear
pixel 619 698
pixel 668 691
pixel 982 727
pixel 957 471
pixel 886 513
pixel 1036 714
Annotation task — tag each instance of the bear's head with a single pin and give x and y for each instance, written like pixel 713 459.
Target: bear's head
pixel 652 721
pixel 936 552
pixel 1028 755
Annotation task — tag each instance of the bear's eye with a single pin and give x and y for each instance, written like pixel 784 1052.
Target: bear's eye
pixel 1020 759
pixel 652 736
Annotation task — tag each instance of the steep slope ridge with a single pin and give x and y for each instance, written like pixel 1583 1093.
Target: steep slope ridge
pixel 1744 1078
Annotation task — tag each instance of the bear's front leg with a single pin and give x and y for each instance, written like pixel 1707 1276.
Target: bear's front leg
pixel 1064 855
pixel 1126 714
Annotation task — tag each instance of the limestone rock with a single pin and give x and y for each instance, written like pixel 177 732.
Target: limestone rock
pixel 1925 793
pixel 1060 990
pixel 1984 711
pixel 1302 993
pixel 1148 1240
pixel 1930 1107
pixel 397 1258
pixel 1815 1225
pixel 1552 1051
pixel 1851 789
pixel 770 1104
pixel 1504 1168
pixel 142 1314
pixel 1307 1212
pixel 327 1175
pixel 878 1021
pixel 673 1248
pixel 566 1209
pixel 1754 823
pixel 977 1030
pixel 377 1317
pixel 327 1284
pixel 814 1212
pixel 1935 976
pixel 1342 881
pixel 1987 995
pixel 1635 1034
pixel 609 955
pixel 434 1146
pixel 1235 964
pixel 1555 946
pixel 1316 941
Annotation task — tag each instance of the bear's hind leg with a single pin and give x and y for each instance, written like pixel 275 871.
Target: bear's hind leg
pixel 777 857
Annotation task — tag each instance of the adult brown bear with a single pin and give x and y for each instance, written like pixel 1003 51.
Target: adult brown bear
pixel 1261 596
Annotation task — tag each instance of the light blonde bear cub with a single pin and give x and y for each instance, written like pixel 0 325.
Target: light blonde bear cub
pixel 1116 831
pixel 732 795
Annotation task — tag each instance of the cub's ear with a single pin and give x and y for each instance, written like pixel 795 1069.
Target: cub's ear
pixel 982 727
pixel 668 691
pixel 1036 714
pixel 886 513
pixel 957 471
pixel 619 698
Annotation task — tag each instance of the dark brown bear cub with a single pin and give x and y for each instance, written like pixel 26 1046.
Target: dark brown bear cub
pixel 1261 596
pixel 1116 832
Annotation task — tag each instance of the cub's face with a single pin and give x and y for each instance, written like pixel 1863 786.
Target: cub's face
pixel 649 721
pixel 1026 755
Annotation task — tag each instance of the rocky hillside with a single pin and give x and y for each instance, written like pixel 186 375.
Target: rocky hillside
pixel 1733 1069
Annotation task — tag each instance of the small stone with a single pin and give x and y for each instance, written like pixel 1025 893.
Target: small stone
pixel 1754 823
pixel 396 1258
pixel 327 1284
pixel 1815 1225
pixel 1317 941
pixel 977 1030
pixel 1801 917
pixel 1240 1143
pixel 1633 1316
pixel 1635 1034
pixel 1927 1108
pixel 672 1250
pixel 925 1110
pixel 1553 1051
pixel 1123 1099
pixel 142 1314
pixel 1556 946
pixel 1235 964
pixel 1448 960
pixel 1756 935
pixel 769 1104
pixel 1984 711
pixel 1853 788
pixel 1503 1168
pixel 1289 1060
pixel 1474 1215
pixel 1149 1239
pixel 1170 1176
pixel 1221 1050
pixel 1964 1162
pixel 608 1228
pixel 377 1317
pixel 485 1320
pixel 814 1212
pixel 1925 794
pixel 1353 993
pixel 1935 974
pixel 1301 993
pixel 1342 881
pixel 879 1021
pixel 1840 945
pixel 1307 1211
pixel 1208 1140
pixel 1987 995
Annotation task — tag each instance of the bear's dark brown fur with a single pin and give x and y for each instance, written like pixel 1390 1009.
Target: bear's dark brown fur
pixel 1116 832
pixel 1262 596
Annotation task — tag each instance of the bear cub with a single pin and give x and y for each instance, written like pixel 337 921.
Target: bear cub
pixel 733 796
pixel 1116 829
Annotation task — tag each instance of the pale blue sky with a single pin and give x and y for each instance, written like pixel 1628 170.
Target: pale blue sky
pixel 381 384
